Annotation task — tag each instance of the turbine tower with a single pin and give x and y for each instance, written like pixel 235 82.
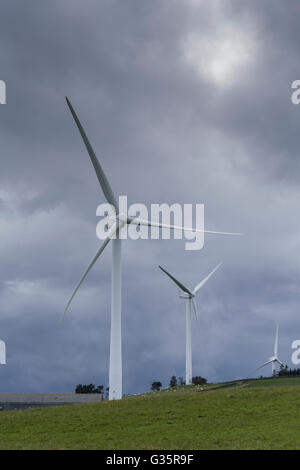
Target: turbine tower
pixel 189 296
pixel 115 225
pixel 274 358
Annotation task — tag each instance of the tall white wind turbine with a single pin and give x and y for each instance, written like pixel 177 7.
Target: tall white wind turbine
pixel 116 224
pixel 274 358
pixel 189 296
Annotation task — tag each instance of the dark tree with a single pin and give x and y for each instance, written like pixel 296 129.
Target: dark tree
pixel 285 371
pixel 156 386
pixel 173 381
pixel 181 381
pixel 99 389
pixel 198 380
pixel 89 388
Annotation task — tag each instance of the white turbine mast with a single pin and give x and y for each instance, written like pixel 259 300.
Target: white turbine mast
pixel 273 359
pixel 117 222
pixel 189 296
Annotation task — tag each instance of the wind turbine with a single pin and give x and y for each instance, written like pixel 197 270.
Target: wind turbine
pixel 189 296
pixel 115 225
pixel 274 358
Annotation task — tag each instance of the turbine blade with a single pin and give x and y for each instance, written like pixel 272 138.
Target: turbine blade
pixel 276 342
pixel 150 223
pixel 279 361
pixel 111 233
pixel 179 284
pixel 201 284
pixel 106 188
pixel 195 308
pixel 264 364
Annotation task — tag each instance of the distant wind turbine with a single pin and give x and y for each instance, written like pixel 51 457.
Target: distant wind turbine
pixel 189 295
pixel 274 358
pixel 115 226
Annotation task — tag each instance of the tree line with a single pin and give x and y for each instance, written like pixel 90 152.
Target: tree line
pixel 174 382
pixel 91 388
pixel 155 386
pixel 284 370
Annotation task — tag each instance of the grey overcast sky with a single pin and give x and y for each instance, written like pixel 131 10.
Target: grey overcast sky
pixel 184 101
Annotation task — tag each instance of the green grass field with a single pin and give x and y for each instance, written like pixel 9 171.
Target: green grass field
pixel 261 414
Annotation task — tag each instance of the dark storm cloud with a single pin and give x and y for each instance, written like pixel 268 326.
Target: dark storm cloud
pixel 183 102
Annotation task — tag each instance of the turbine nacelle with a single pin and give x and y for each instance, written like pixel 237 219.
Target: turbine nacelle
pixel 185 292
pixel 275 359
pixel 184 295
pixel 117 220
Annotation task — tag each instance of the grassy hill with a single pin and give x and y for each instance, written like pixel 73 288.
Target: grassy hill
pixel 258 414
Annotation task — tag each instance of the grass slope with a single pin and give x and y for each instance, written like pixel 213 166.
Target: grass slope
pixel 244 415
